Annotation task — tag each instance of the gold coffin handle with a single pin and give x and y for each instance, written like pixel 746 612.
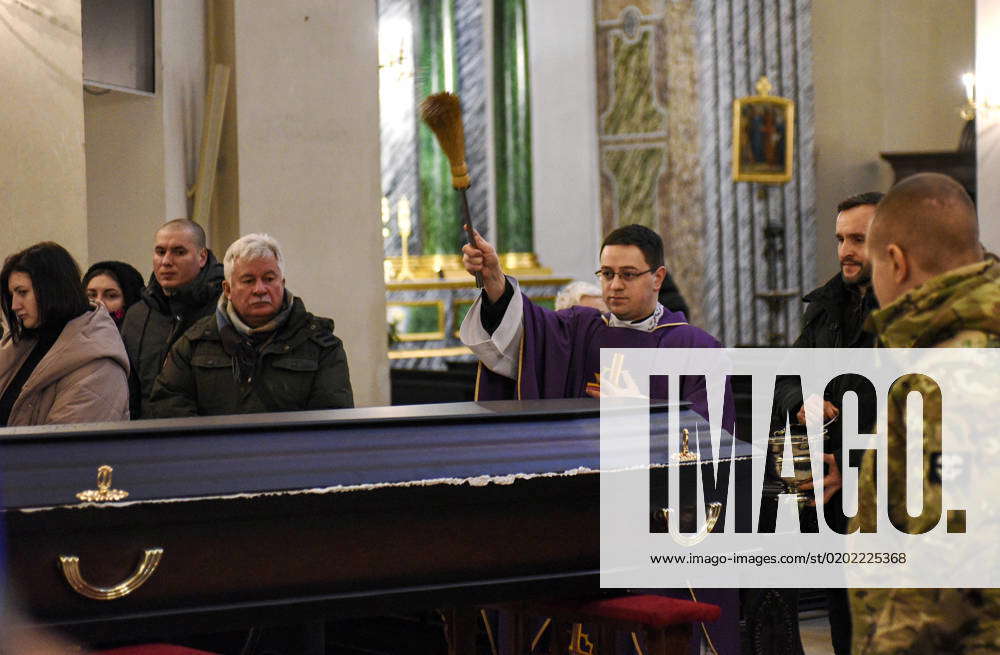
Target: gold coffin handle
pixel 714 510
pixel 70 567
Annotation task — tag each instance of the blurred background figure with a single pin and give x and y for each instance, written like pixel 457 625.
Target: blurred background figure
pixel 63 360
pixel 116 285
pixel 670 297
pixel 581 293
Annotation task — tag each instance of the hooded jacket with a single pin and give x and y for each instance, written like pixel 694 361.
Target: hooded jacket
pixel 83 378
pixel 157 321
pixel 129 279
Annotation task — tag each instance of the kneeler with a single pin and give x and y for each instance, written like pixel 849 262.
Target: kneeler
pixel 665 622
pixel 152 649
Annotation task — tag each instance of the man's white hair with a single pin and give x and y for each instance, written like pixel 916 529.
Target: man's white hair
pixel 570 294
pixel 249 247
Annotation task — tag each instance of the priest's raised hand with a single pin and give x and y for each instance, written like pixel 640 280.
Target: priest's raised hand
pixel 483 258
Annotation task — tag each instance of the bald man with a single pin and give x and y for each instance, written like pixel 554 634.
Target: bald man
pixel 936 291
pixel 184 287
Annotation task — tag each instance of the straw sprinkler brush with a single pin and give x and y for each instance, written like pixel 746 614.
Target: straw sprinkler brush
pixel 442 112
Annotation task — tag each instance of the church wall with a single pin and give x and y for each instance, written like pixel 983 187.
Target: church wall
pixel 125 184
pixel 43 193
pixel 648 117
pixel 988 122
pixel 308 135
pixel 564 136
pixel 141 150
pixel 887 79
pixel 667 74
pixel 737 43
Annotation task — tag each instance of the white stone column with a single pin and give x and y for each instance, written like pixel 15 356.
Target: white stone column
pixel 566 189
pixel 308 132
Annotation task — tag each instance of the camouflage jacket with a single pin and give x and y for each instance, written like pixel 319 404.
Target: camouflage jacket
pixel 959 309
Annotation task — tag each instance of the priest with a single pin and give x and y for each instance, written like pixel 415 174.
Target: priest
pixel 526 351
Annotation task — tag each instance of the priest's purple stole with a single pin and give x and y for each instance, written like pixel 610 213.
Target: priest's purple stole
pixel 561 353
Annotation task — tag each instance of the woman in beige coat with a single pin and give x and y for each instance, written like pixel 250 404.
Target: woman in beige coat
pixel 62 359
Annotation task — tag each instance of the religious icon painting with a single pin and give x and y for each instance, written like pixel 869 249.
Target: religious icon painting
pixel 763 137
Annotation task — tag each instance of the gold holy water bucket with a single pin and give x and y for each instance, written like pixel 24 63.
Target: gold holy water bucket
pixel 801 446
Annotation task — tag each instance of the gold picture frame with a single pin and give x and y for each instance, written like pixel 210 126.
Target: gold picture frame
pixel 763 137
pixel 405 311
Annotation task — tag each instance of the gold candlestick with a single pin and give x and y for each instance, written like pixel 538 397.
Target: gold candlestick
pixel 685 455
pixel 403 221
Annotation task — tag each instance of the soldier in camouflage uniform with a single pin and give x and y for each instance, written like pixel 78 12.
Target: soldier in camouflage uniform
pixel 936 291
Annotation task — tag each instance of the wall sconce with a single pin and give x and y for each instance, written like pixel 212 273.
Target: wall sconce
pixel 971 106
pixel 392 60
pixel 968 111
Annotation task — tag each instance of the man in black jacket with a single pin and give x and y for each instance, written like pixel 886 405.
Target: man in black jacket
pixel 837 310
pixel 184 287
pixel 835 318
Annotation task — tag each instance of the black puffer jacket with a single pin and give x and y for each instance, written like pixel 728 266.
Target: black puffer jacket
pixel 823 323
pixel 826 324
pixel 156 322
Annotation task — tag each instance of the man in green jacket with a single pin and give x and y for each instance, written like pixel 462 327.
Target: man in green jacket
pixel 936 290
pixel 261 351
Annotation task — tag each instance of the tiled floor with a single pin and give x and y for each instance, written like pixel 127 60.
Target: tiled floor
pixel 814 627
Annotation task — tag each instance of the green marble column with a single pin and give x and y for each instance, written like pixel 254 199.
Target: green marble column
pixel 512 127
pixel 440 224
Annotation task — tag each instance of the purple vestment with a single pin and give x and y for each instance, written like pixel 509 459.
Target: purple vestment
pixel 561 353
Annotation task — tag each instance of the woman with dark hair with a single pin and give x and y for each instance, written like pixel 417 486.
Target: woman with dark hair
pixel 62 359
pixel 116 285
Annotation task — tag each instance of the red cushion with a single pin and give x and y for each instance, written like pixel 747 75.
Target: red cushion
pixel 153 649
pixel 650 610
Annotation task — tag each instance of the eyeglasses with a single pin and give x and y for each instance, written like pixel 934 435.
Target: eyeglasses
pixel 608 275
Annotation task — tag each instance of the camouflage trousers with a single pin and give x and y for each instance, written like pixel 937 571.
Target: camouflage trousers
pixel 925 621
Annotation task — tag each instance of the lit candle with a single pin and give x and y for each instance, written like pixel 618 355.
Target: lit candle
pixel 386 212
